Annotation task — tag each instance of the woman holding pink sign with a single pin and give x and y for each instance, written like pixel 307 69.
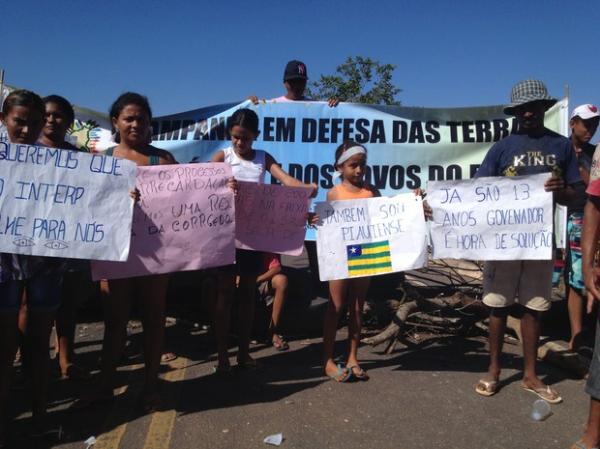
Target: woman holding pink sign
pixel 248 165
pixel 131 116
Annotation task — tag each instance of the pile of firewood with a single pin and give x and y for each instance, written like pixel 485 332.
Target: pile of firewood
pixel 445 299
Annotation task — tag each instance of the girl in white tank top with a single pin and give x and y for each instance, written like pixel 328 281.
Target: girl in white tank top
pixel 246 170
pixel 248 165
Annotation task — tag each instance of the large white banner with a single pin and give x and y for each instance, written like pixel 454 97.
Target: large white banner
pixel 368 237
pixel 407 146
pixel 63 203
pixel 495 218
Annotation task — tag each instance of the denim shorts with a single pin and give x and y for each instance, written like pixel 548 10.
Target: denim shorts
pixel 43 293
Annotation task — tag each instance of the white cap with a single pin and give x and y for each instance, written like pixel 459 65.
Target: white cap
pixel 585 112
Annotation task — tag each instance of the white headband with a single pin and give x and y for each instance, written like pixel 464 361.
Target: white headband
pixel 347 155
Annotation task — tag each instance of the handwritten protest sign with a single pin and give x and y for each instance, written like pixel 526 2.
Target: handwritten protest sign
pixel 271 218
pixel 184 221
pixel 367 237
pixel 504 218
pixel 63 203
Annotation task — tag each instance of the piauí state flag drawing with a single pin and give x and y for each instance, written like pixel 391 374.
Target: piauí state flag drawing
pixel 369 258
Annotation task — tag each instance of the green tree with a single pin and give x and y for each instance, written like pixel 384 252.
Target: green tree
pixel 358 80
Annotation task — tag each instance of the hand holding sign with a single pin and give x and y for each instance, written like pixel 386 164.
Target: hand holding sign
pixel 271 217
pixel 183 221
pixel 507 218
pixel 63 203
pixel 372 236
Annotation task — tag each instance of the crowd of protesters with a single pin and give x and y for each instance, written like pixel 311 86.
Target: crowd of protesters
pixel 39 293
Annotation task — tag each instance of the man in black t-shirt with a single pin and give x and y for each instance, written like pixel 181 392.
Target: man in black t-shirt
pixel 531 150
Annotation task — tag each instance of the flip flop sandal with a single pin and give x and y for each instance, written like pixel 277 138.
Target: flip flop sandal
pixel 167 357
pixel 486 388
pixel 282 345
pixel 342 375
pixel 579 445
pixel 358 373
pixel 546 393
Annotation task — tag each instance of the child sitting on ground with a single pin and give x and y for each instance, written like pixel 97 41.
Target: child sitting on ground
pixel 272 288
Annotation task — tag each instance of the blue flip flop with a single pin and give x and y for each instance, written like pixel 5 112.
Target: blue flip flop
pixel 361 374
pixel 337 376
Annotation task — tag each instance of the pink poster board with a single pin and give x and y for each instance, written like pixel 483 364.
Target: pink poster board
pixel 183 221
pixel 271 217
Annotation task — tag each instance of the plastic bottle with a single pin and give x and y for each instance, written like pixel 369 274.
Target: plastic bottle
pixel 541 410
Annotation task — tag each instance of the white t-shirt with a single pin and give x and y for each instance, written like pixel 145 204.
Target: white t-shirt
pixel 244 170
pixel 284 99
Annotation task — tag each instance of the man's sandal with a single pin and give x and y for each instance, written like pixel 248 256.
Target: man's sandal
pixel 546 393
pixel 486 387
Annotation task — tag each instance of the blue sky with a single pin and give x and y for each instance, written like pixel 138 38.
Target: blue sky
pixel 189 54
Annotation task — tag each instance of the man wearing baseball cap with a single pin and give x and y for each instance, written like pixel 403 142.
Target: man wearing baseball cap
pixel 584 122
pixel 533 149
pixel 295 77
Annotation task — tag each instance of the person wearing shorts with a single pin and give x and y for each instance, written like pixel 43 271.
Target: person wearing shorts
pixel 40 277
pixel 272 288
pixel 584 122
pixel 591 275
pixel 526 284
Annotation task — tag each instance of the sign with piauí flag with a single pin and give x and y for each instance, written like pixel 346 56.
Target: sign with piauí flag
pixel 369 258
pixel 369 237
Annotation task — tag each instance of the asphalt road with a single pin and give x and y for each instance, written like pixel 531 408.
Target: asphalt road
pixel 421 398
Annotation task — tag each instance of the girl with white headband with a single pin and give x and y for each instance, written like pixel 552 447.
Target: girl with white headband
pixel 350 163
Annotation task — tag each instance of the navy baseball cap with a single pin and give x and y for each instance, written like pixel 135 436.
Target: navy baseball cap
pixel 295 70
